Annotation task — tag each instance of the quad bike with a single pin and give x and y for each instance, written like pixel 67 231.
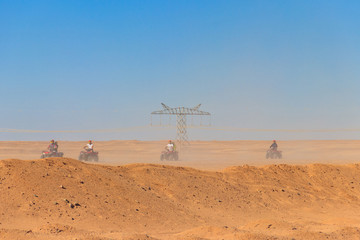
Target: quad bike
pixel 89 156
pixel 46 154
pixel 169 155
pixel 272 153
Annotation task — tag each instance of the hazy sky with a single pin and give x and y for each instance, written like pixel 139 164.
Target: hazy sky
pixel 72 65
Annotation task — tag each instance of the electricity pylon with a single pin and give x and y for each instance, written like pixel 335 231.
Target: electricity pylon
pixel 181 126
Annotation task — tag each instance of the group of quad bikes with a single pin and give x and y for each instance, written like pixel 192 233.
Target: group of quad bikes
pixel 87 155
pixel 272 153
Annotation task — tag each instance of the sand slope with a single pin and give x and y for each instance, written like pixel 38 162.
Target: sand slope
pixel 67 199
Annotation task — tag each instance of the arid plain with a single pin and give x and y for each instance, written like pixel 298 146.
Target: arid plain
pixel 218 190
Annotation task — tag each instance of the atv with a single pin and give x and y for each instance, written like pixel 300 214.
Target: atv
pixel 89 156
pixel 169 155
pixel 46 154
pixel 272 153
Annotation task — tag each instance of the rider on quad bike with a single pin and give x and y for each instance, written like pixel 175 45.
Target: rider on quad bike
pixel 53 147
pixel 170 147
pixel 89 154
pixel 89 147
pixel 52 151
pixel 170 152
pixel 273 151
pixel 274 146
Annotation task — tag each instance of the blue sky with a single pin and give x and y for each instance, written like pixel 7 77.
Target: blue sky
pixel 72 65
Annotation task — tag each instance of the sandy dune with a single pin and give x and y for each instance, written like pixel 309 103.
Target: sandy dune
pixel 210 194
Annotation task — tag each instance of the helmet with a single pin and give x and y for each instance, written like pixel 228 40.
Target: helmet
pixel 169 141
pixel 274 140
pixel 90 141
pixel 52 141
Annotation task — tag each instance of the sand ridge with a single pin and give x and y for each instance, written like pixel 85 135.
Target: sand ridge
pixel 63 198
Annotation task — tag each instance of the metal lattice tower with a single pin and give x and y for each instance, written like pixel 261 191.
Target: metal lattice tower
pixel 181 113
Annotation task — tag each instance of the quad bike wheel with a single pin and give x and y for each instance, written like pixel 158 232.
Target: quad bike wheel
pixel 93 158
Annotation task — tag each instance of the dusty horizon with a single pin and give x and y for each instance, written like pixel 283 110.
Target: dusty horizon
pixel 207 155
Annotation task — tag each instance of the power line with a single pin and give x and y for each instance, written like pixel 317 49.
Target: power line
pixel 181 114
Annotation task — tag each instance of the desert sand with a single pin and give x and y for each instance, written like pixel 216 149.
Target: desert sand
pixel 218 190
